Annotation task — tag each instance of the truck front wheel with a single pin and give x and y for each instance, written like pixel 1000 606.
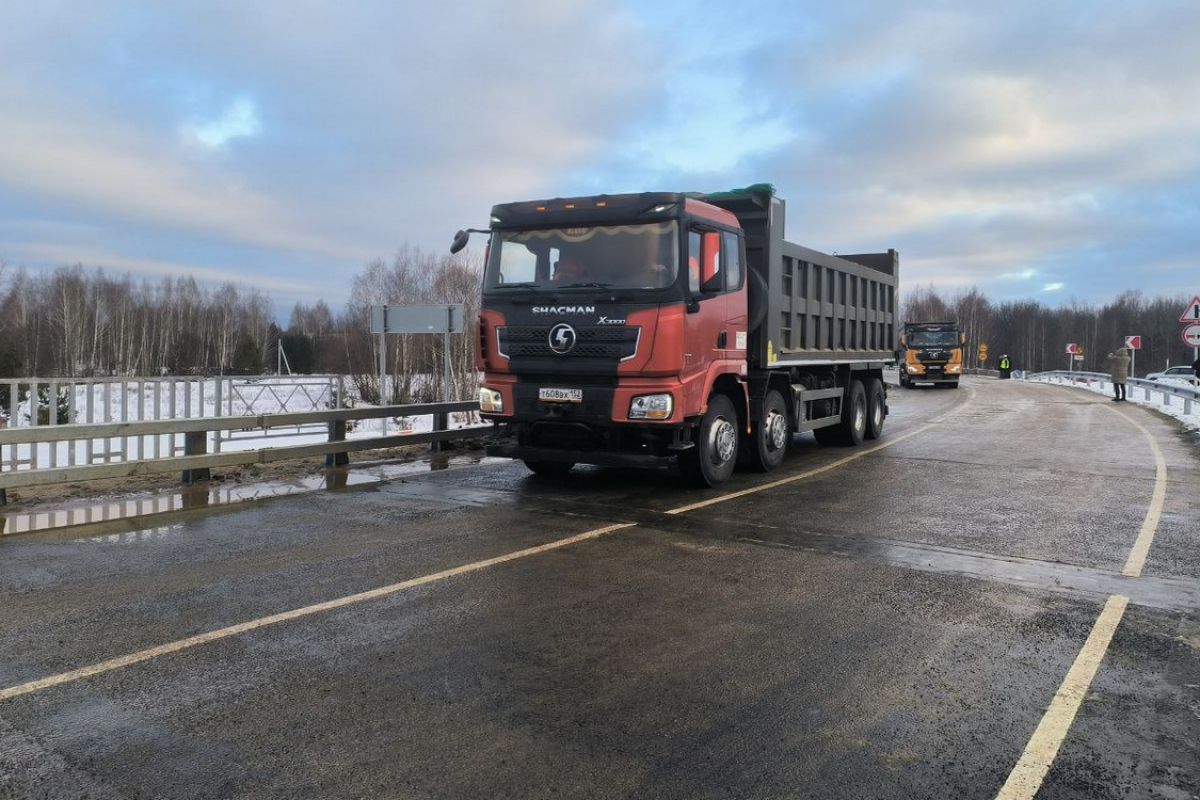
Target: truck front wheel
pixel 768 441
pixel 711 461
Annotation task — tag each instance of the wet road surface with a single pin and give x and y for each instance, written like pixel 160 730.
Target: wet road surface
pixel 887 622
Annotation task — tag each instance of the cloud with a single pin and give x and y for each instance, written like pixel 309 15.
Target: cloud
pixel 989 143
pixel 240 119
pixel 1053 287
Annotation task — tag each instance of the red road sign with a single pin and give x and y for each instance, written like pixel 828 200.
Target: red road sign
pixel 1133 342
pixel 1192 312
pixel 1191 335
pixel 1072 348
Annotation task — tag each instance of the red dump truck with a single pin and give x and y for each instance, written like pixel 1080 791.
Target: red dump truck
pixel 676 330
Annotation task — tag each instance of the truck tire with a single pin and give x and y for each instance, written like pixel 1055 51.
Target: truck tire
pixel 769 438
pixel 549 469
pixel 711 461
pixel 853 427
pixel 876 408
pixel 903 382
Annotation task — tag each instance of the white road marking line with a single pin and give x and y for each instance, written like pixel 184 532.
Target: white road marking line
pixel 1141 547
pixel 1026 778
pixel 383 591
pixel 329 605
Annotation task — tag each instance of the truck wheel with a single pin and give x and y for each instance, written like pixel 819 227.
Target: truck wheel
pixel 853 427
pixel 876 408
pixel 768 441
pixel 903 381
pixel 549 468
pixel 711 461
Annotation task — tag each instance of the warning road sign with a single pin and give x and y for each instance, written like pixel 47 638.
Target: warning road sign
pixel 1191 335
pixel 1072 348
pixel 1133 342
pixel 1192 313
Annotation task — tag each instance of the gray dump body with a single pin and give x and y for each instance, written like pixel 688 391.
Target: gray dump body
pixel 808 308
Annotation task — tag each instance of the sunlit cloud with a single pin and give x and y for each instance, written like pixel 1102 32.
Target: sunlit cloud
pixel 239 120
pixel 1023 275
pixel 1054 287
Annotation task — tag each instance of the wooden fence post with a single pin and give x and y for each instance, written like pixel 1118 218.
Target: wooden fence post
pixel 195 443
pixel 337 433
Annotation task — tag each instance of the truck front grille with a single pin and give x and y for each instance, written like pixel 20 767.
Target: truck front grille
pixel 533 341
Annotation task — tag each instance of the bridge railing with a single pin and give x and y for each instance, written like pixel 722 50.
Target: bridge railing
pixel 1190 395
pixel 196 462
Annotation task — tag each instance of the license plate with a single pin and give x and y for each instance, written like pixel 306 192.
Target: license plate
pixel 560 395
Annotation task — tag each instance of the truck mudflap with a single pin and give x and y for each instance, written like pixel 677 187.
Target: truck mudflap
pixel 598 457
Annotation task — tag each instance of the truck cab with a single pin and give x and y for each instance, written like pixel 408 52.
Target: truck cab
pixel 603 321
pixel 931 352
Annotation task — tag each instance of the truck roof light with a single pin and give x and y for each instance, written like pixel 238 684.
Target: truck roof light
pixel 569 205
pixel 601 203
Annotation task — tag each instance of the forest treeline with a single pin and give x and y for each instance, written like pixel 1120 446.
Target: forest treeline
pixel 1035 335
pixel 78 322
pixel 74 321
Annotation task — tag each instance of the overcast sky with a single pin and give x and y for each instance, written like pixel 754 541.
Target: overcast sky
pixel 1035 149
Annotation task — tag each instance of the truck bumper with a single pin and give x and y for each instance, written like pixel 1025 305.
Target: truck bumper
pixel 601 458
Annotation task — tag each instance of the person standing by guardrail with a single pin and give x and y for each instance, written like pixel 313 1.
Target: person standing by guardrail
pixel 1118 364
pixel 1005 366
pixel 1196 370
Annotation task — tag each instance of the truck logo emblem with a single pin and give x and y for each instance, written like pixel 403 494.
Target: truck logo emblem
pixel 562 338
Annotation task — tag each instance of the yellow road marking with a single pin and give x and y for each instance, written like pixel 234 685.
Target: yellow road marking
pixel 1141 547
pixel 383 591
pixel 317 608
pixel 762 487
pixel 1027 776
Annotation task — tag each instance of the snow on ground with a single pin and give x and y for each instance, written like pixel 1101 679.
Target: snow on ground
pixel 1173 406
pixel 166 399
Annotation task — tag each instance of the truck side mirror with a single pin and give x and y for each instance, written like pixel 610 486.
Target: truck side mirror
pixel 710 262
pixel 460 241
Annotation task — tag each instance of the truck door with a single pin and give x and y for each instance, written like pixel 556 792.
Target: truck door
pixel 713 321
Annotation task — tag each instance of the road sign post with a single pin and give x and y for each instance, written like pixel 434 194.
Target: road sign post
pixel 1191 316
pixel 1072 349
pixel 1134 343
pixel 443 318
pixel 1191 337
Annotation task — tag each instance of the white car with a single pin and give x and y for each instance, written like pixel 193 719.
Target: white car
pixel 1183 375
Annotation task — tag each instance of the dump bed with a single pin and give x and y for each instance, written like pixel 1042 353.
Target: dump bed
pixel 808 308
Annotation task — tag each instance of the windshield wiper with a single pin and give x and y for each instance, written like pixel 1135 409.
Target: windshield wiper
pixel 586 285
pixel 520 285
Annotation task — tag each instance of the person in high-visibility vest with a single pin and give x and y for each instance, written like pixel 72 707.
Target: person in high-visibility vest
pixel 1005 367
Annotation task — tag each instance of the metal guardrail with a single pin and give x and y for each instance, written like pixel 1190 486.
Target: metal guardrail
pixel 196 462
pixel 1190 395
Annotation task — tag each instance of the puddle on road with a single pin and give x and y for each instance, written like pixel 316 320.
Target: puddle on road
pixel 188 498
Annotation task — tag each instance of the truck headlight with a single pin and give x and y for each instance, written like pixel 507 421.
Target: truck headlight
pixel 913 370
pixel 490 401
pixel 954 368
pixel 651 406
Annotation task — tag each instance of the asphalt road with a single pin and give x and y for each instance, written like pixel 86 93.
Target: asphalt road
pixel 890 622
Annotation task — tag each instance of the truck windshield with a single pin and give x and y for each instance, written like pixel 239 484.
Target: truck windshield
pixel 933 339
pixel 642 256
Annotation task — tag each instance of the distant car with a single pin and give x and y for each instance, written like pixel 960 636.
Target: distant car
pixel 1183 375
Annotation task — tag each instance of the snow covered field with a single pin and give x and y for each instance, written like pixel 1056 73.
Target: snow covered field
pixel 150 399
